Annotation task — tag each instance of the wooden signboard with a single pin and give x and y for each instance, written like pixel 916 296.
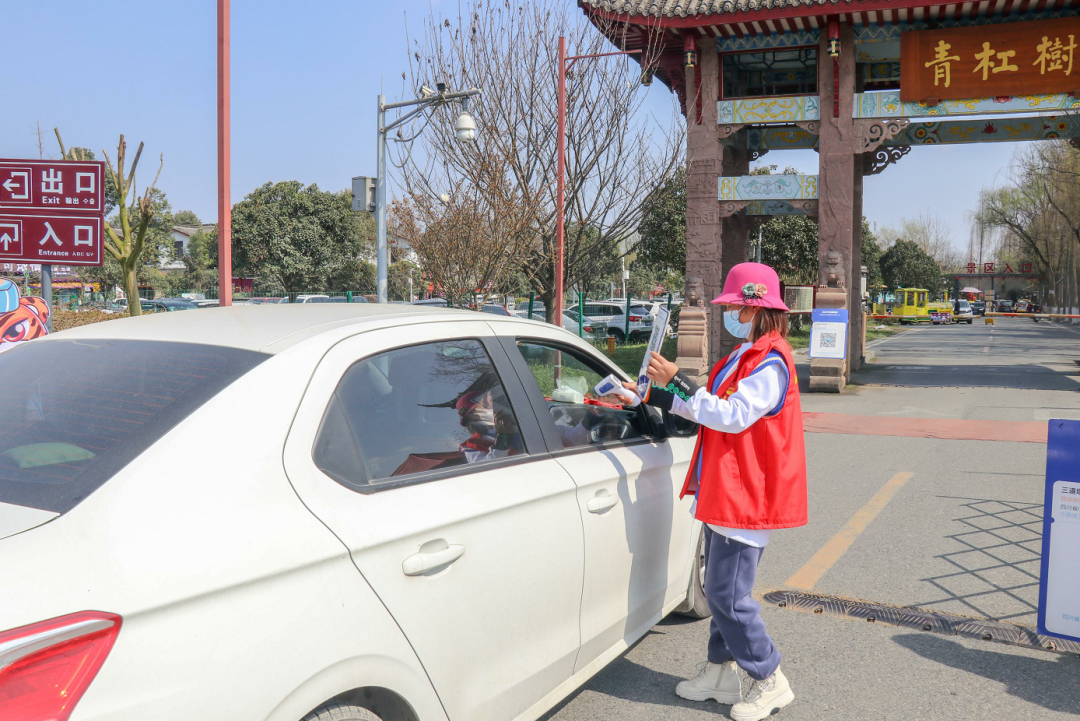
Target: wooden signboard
pixel 988 61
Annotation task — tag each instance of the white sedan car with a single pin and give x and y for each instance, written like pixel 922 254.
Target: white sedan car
pixel 340 511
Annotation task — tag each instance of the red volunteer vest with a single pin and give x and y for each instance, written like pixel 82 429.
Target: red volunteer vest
pixel 755 479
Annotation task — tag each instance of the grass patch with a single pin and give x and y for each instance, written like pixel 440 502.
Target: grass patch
pixel 628 355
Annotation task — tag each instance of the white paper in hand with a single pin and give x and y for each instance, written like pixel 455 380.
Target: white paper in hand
pixel 656 341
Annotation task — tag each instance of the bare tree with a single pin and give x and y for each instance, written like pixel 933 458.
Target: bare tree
pixel 614 159
pixel 469 242
pixel 128 247
pixel 930 233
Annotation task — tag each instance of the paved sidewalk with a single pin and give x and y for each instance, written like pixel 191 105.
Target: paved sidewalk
pixel 961 534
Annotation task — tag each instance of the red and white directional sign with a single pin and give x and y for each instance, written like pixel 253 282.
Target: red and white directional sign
pixel 58 186
pixel 63 239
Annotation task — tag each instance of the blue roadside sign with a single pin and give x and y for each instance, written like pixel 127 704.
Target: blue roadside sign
pixel 1059 577
pixel 828 333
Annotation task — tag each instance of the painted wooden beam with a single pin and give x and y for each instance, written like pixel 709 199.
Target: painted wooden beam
pixel 781 207
pixel 884 105
pixel 788 109
pixel 769 187
pixel 887 104
pixel 937 132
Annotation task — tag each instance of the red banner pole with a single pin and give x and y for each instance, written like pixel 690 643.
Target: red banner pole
pixel 223 149
pixel 555 315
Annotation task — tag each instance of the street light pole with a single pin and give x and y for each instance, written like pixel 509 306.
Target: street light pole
pixel 565 62
pixel 465 130
pixel 381 253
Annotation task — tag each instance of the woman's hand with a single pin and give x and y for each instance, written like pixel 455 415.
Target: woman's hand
pixel 660 370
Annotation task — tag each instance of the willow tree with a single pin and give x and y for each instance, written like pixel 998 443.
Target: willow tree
pixel 126 246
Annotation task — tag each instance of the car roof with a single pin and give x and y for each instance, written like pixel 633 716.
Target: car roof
pixel 266 329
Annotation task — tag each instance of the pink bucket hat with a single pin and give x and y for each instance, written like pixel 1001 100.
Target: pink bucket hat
pixel 752 284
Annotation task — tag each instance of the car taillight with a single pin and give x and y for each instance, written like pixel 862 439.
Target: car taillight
pixel 635 318
pixel 588 329
pixel 46 667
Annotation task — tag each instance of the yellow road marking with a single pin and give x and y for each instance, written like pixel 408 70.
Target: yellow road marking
pixel 830 553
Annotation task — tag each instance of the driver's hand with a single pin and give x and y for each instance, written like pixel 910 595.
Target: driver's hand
pixel 660 370
pixel 505 425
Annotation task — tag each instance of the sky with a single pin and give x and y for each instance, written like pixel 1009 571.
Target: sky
pixel 305 78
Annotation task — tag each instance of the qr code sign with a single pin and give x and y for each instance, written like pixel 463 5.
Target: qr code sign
pixel 828 340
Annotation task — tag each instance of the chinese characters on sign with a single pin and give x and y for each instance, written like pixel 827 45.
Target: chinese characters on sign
pixel 71 240
pixel 41 185
pixel 999 268
pixel 51 211
pixel 989 60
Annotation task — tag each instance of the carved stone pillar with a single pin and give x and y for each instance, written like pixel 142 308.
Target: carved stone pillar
pixel 855 315
pixel 704 165
pixel 736 242
pixel 840 146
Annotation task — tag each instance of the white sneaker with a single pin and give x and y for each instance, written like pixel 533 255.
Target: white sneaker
pixel 761 698
pixel 718 681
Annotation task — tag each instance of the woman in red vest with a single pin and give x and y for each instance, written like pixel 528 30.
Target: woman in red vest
pixel 748 477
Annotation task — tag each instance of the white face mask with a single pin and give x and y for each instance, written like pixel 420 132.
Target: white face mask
pixel 736 327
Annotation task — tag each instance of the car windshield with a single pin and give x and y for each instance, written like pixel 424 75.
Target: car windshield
pixel 77 411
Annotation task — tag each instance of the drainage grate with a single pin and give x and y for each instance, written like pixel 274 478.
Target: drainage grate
pixel 942 623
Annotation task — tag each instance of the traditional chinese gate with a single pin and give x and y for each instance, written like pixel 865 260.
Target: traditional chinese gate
pixel 862 82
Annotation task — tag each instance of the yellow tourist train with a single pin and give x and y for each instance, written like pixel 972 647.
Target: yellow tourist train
pixel 911 305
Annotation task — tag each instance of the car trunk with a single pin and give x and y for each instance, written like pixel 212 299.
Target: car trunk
pixel 16 519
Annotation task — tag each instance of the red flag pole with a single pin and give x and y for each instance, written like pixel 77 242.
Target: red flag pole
pixel 223 149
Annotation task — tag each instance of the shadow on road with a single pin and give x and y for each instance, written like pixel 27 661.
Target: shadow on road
pixel 630 681
pixel 1045 681
pixel 1028 376
pixel 995 564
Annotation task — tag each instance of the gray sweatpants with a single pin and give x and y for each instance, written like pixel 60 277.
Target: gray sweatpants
pixel 737 630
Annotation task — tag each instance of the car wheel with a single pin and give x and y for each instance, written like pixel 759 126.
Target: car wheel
pixel 341 712
pixel 969 322
pixel 617 335
pixel 695 605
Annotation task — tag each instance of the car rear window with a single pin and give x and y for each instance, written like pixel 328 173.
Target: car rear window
pixel 75 412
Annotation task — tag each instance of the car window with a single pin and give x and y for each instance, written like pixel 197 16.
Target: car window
pixel 581 417
pixel 79 411
pixel 416 409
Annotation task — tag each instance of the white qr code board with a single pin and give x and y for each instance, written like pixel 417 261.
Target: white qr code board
pixel 828 334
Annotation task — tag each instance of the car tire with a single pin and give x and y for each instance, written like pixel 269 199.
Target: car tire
pixel 341 712
pixel 617 335
pixel 969 322
pixel 696 606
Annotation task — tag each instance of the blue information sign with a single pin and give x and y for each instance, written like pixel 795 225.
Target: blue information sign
pixel 1059 579
pixel 828 333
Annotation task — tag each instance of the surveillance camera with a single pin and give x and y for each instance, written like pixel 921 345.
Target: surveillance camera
pixel 465 128
pixel 426 92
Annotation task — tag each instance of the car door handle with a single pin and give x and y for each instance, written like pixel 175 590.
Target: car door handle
pixel 599 504
pixel 420 563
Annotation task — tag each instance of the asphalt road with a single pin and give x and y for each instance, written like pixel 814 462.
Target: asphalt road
pixel 961 536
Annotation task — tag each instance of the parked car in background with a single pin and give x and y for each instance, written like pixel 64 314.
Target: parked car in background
pixel 495 309
pixel 312 298
pixel 978 307
pixel 211 303
pixel 167 305
pixel 613 316
pixel 355 541
pixel 522 310
pixel 267 300
pixel 1003 306
pixel 962 311
pixel 432 302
